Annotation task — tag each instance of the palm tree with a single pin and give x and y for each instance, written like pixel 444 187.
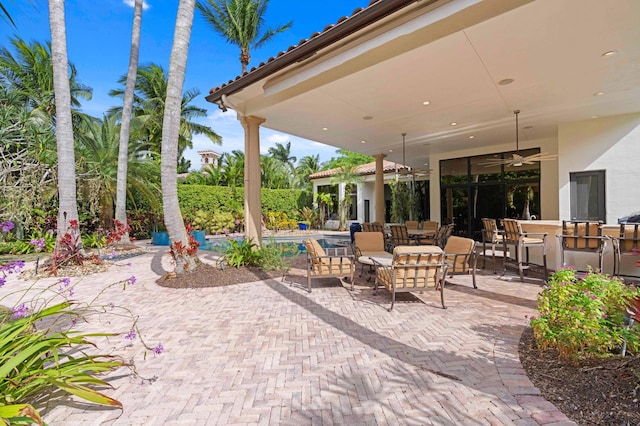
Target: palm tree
pixel 307 165
pixel 68 208
pixel 123 153
pixel 99 164
pixel 149 109
pixel 185 257
pixel 232 167
pixel 240 22
pixel 29 73
pixel 273 173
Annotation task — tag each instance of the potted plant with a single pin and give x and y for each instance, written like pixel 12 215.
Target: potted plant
pixel 306 215
pixel 159 234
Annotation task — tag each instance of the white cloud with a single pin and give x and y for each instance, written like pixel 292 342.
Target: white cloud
pixel 131 3
pixel 278 138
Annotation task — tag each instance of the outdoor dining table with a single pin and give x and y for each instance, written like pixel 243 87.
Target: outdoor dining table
pixel 419 234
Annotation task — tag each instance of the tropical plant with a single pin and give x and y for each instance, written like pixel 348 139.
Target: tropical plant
pixel 242 253
pixel 30 74
pixel 99 165
pixel 346 175
pixel 307 165
pixel 347 159
pixel 584 316
pixel 325 202
pixel 186 259
pixel 149 103
pixel 241 23
pixel 127 108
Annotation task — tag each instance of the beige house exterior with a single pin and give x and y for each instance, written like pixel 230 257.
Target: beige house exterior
pixel 450 74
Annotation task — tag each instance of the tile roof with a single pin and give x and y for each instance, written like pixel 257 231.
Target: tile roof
pixel 362 170
pixel 360 18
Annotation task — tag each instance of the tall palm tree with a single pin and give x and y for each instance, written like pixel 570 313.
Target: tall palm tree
pixel 274 173
pixel 232 167
pixel 241 23
pixel 185 259
pixel 123 153
pixel 68 208
pixel 149 109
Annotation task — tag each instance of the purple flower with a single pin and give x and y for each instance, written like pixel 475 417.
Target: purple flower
pixel 131 280
pixel 38 244
pixel 158 349
pixel 13 267
pixel 21 311
pixel 66 281
pixel 3 280
pixel 130 335
pixel 593 297
pixel 71 292
pixel 6 226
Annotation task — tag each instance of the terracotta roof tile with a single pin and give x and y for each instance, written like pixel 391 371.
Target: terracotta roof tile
pixel 362 170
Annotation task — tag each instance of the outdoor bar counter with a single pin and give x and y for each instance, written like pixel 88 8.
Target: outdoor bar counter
pixel 577 259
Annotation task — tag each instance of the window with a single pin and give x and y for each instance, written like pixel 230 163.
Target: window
pixel 587 195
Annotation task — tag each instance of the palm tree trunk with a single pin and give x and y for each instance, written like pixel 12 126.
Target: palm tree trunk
pixel 123 152
pixel 68 208
pixel 185 258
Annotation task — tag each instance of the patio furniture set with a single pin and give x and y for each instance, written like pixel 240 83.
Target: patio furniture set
pixel 403 258
pixel 399 262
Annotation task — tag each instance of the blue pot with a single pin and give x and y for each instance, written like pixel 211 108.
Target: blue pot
pixel 199 237
pixel 303 226
pixel 160 238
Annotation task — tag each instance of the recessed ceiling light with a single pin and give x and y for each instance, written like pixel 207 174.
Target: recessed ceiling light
pixel 453 123
pixel 595 116
pixel 505 81
pixel 598 94
pixel 390 150
pixel 609 53
pixel 325 128
pixel 426 103
pixel 367 117
pixel 363 141
pixel 472 137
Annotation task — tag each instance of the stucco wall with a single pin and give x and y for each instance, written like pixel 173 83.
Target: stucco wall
pixel 607 143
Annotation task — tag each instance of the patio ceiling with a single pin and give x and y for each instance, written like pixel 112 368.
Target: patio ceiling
pixel 371 86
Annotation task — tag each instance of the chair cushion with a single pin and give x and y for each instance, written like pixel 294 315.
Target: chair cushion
pixel 369 241
pixel 458 245
pixel 314 249
pixel 334 266
pixel 419 275
pixel 581 243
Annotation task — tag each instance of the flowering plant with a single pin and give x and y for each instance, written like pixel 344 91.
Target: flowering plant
pixel 42 346
pixel 584 316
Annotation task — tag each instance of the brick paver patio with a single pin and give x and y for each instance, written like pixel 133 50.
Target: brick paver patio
pixel 268 352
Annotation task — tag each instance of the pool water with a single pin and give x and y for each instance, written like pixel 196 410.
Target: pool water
pixel 289 247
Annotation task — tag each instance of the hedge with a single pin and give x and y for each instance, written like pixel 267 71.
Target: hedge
pixel 226 199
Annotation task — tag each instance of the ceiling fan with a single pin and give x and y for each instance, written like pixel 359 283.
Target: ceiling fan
pixel 406 170
pixel 516 159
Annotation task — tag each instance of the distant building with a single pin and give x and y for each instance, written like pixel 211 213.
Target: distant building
pixel 209 158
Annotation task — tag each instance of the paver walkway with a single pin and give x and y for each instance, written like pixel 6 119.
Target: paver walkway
pixel 268 352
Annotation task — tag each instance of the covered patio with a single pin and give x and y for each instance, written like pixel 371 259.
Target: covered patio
pixel 450 74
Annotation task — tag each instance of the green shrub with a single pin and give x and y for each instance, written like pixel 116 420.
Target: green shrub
pixel 214 222
pixel 584 316
pixel 242 253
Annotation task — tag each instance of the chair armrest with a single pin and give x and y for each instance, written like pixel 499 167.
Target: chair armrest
pixel 338 252
pixel 543 234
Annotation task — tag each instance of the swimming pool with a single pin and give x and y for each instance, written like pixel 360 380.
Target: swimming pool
pixel 288 245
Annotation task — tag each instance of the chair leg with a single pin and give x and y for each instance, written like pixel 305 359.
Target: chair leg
pixel 520 266
pixel 393 298
pixel 484 256
pixel 442 293
pixel 352 272
pixel 544 261
pixel 473 270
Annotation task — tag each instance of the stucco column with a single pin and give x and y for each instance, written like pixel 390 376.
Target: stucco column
pixel 252 199
pixel 379 188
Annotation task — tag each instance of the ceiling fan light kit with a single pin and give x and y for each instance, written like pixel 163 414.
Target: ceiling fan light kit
pixel 516 159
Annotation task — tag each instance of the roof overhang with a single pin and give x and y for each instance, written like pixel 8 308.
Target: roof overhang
pixel 366 78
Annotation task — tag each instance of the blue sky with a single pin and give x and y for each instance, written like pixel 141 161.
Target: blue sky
pixel 98 43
